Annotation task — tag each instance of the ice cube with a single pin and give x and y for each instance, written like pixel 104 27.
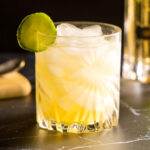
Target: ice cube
pixel 70 35
pixel 94 30
pixel 93 35
pixel 57 71
pixel 66 29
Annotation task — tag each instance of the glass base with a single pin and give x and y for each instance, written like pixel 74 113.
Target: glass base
pixel 77 128
pixel 138 71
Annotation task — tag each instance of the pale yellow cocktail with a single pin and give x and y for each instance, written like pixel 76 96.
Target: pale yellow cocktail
pixel 78 79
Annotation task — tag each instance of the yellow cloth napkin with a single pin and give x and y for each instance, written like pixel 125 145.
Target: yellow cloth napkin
pixel 14 84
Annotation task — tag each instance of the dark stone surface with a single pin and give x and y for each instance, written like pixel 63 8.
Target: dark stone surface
pixel 19 131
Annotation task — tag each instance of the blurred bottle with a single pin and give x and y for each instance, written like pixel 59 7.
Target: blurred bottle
pixel 136 65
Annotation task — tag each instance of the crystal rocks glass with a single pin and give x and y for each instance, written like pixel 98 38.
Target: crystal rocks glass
pixel 78 78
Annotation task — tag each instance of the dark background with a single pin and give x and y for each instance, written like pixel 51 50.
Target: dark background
pixel 12 12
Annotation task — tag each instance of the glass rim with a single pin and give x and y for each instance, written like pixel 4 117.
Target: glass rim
pixel 118 29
